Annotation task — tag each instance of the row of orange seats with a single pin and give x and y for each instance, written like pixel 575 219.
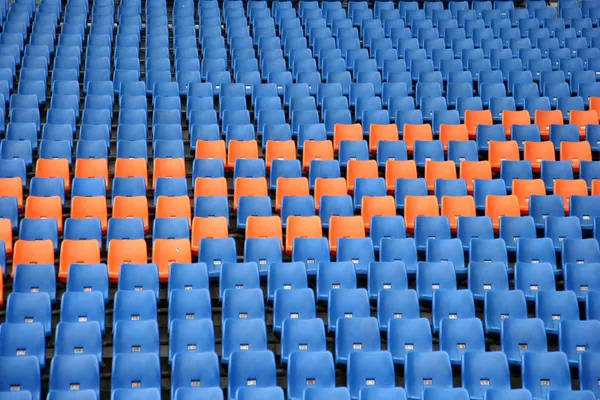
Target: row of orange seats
pixel 164 252
pixel 543 118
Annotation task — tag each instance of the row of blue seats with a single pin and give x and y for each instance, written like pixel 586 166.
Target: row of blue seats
pixel 453 331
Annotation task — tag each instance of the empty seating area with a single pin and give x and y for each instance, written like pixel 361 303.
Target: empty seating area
pixel 299 200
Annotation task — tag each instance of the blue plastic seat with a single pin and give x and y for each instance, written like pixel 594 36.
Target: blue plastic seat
pixel 310 333
pixel 512 229
pixel 262 251
pixel 485 276
pixel 575 337
pixel 135 368
pixel 134 305
pixel 428 228
pixel 296 303
pixel 382 227
pixel 346 303
pixel 361 370
pixel 30 307
pixel 243 366
pixel 386 276
pixel 451 304
pixel 83 307
pixel 13 149
pixel 80 371
pixel 579 251
pixel 139 277
pixel 588 373
pixel 21 372
pixel 561 228
pixel 459 336
pixel 285 276
pixel 192 367
pixel 247 303
pixel 407 335
pixel 39 229
pixel 433 276
pixel 520 336
pixel 510 170
pixel 252 206
pixel 243 334
pixel 446 250
pixel 544 372
pixel 484 187
pixel 426 369
pixel 355 334
pixel 189 304
pixel 359 251
pixel 409 187
pixel 238 276
pixel 555 307
pixel 81 337
pixel 499 305
pixel 469 228
pixel 542 207
pixel 23 338
pixel 392 304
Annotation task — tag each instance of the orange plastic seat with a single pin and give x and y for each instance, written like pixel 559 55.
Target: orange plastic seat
pixel 211 228
pixel 474 118
pixel 77 252
pixel 457 133
pixel 279 150
pixel 6 235
pixel 545 118
pixel 290 187
pixel 457 206
pixel 471 170
pixel 131 207
pixel 92 168
pixel 438 170
pixel 415 206
pixel 168 168
pixel 346 132
pixel 301 227
pixel 125 252
pixel 360 169
pixel 566 188
pixel 501 206
pixel 168 251
pixel 12 187
pixel 416 132
pixel 596 187
pixel 510 118
pixel 210 187
pixel 57 168
pixel 500 151
pixel 372 206
pixel 249 187
pixel 131 168
pixel 583 118
pixel 394 170
pixel 247 149
pixel 575 152
pixel 344 227
pixel 264 227
pixel 595 105
pixel 524 188
pixel 45 207
pixel 211 149
pixel 378 132
pixel 174 207
pixel 329 187
pixel 316 150
pixel 90 207
pixel 32 252
pixel 536 152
